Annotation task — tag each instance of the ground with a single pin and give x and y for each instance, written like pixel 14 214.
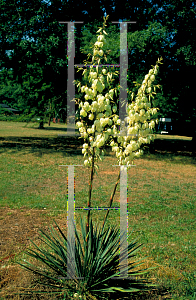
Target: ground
pixel 17 226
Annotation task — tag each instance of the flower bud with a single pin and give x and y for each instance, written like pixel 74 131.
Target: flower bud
pixel 110 122
pixel 107 107
pixel 82 89
pixel 114 108
pixel 109 130
pixel 85 135
pixel 111 92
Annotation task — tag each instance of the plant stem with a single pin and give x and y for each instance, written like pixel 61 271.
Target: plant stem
pixel 111 198
pixel 90 192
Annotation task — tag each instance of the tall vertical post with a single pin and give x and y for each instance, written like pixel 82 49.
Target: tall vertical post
pixel 123 258
pixel 70 85
pixel 71 77
pixel 123 222
pixel 123 76
pixel 71 222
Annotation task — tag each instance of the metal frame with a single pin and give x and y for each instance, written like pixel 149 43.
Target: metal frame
pixel 71 131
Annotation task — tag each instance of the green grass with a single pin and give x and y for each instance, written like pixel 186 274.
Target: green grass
pixel 161 197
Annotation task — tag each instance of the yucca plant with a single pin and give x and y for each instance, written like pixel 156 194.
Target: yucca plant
pixel 95 264
pixel 98 261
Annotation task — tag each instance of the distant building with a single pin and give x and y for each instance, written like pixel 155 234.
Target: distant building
pixel 164 126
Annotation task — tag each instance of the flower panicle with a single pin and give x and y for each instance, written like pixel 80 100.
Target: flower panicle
pixel 100 109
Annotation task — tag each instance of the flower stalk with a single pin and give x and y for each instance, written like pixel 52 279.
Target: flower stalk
pixel 111 199
pixel 90 193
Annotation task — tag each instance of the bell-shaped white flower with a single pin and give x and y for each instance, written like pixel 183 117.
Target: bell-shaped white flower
pixel 83 113
pixel 99 44
pixel 91 117
pixel 100 38
pixel 79 124
pixel 93 75
pixel 86 106
pixel 148 90
pixel 142 112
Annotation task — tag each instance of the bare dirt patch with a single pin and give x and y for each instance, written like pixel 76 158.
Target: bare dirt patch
pixel 17 227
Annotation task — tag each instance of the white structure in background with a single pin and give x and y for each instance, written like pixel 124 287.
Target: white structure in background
pixel 163 124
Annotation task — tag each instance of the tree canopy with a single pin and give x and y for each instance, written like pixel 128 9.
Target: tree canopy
pixel 33 50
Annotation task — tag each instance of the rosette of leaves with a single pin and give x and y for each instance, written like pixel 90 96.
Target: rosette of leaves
pixel 95 265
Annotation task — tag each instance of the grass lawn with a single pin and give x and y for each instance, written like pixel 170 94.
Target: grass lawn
pixel 161 203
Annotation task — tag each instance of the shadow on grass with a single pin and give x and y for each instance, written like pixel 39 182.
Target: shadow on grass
pixel 163 148
pixel 72 145
pixel 40 145
pixel 52 128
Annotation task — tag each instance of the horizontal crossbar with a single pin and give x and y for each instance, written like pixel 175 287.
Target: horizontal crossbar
pixel 116 22
pixel 64 22
pixel 96 65
pixel 99 208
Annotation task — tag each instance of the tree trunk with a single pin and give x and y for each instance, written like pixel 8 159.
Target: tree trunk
pixel 49 120
pixel 41 125
pixel 194 144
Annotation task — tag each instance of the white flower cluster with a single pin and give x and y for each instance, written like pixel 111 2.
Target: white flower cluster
pixel 98 108
pixel 76 294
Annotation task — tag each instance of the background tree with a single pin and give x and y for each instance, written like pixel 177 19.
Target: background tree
pixel 38 43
